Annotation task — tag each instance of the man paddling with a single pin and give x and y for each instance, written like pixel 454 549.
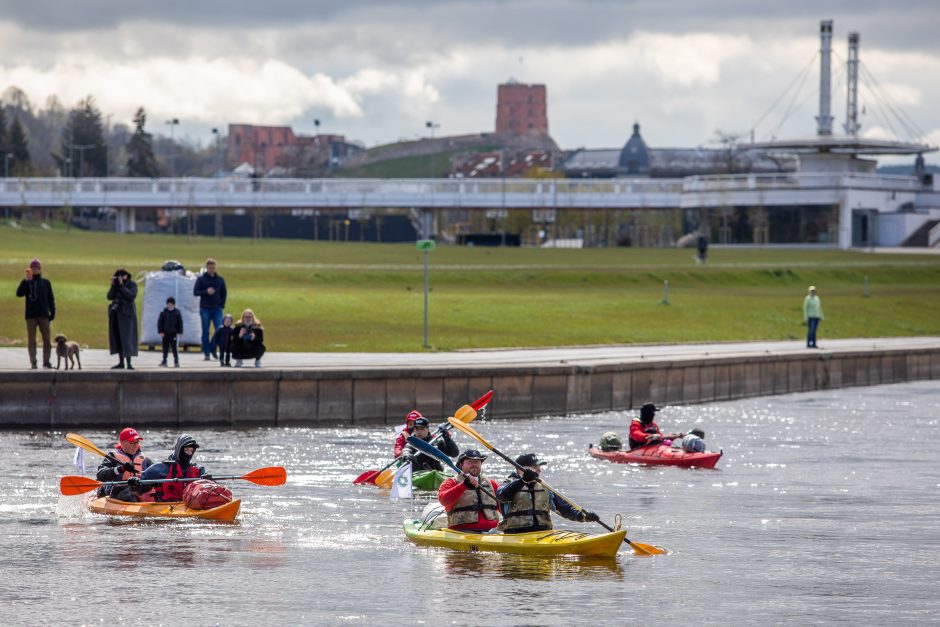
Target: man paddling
pixel 124 462
pixel 527 505
pixel 643 431
pixel 177 466
pixel 420 461
pixel 470 508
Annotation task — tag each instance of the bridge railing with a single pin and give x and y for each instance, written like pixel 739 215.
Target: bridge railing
pixel 795 180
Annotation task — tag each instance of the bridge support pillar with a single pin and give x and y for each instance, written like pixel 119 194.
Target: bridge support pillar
pixel 126 221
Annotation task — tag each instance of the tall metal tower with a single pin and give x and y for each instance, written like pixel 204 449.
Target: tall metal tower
pixel 824 119
pixel 851 105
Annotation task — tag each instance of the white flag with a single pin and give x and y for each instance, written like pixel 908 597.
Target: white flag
pixel 79 460
pixel 401 484
pixel 400 428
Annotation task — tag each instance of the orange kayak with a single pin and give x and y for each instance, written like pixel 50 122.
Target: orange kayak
pixel 169 509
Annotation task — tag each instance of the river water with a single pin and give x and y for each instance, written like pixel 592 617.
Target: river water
pixel 824 509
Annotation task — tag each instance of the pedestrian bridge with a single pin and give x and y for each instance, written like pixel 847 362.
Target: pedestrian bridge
pixel 238 193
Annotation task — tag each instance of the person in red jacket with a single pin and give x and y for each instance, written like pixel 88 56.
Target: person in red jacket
pixel 643 431
pixel 402 440
pixel 470 497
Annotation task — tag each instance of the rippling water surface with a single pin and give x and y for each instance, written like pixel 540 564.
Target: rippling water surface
pixel 824 508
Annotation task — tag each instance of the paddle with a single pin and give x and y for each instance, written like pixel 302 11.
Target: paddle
pixel 429 449
pixel 465 414
pixel 271 476
pixel 84 443
pixel 639 548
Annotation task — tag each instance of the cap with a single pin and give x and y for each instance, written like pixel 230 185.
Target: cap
pixel 413 415
pixel 812 288
pixel 130 435
pixel 35 263
pixel 648 411
pixel 530 459
pixel 421 422
pixel 470 453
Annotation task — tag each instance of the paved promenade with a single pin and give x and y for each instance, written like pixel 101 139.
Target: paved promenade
pixel 15 359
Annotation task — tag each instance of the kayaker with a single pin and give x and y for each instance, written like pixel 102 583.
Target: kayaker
pixel 402 440
pixel 421 429
pixel 126 461
pixel 527 505
pixel 468 507
pixel 643 431
pixel 177 466
pixel 693 442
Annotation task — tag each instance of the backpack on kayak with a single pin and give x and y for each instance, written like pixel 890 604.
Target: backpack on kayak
pixel 610 441
pixel 205 494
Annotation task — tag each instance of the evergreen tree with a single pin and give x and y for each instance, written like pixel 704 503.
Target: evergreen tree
pixel 83 151
pixel 4 146
pixel 19 148
pixel 140 159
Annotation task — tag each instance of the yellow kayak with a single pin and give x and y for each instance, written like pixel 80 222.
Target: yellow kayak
pixel 169 509
pixel 554 542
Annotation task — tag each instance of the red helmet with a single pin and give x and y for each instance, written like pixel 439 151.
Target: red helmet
pixel 413 415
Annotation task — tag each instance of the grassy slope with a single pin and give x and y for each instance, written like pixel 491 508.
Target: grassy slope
pixel 319 296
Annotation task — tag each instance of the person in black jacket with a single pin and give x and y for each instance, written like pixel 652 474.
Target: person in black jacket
pixel 223 340
pixel 210 288
pixel 169 325
pixel 248 341
pixel 421 461
pixel 40 312
pixel 122 318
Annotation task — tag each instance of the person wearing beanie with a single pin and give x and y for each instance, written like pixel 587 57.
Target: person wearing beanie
pixel 40 312
pixel 179 465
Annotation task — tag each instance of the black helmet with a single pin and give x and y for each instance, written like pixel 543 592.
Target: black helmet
pixel 530 459
pixel 647 412
pixel 470 453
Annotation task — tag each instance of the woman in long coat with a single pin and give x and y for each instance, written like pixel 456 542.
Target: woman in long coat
pixel 122 318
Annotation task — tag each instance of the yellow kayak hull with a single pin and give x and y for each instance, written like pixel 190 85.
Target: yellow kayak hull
pixel 548 543
pixel 169 509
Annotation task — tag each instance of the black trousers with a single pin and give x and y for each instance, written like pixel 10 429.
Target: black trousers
pixel 169 341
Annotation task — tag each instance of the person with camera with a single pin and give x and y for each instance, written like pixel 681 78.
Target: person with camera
pixel 248 340
pixel 40 312
pixel 122 318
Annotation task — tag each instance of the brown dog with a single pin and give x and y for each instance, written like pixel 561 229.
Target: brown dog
pixel 64 349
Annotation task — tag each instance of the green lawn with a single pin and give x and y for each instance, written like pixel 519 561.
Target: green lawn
pixel 326 296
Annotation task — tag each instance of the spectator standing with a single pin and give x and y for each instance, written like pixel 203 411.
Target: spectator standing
pixel 248 342
pixel 170 325
pixel 40 312
pixel 210 288
pixel 812 315
pixel 122 318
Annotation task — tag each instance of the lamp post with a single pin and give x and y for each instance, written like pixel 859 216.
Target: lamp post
pixel 218 149
pixel 431 125
pixel 173 124
pixel 81 148
pixel 6 165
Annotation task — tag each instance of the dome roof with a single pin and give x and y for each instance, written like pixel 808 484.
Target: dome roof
pixel 634 158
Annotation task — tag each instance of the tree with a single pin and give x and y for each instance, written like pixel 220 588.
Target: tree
pixel 140 159
pixel 19 148
pixel 83 151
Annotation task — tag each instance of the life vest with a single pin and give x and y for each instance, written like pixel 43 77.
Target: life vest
pixel 137 460
pixel 530 506
pixel 467 508
pixel 646 429
pixel 173 490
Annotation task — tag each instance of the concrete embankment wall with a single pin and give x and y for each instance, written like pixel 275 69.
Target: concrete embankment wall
pixel 243 398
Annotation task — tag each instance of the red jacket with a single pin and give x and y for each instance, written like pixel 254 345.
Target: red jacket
pixel 401 441
pixel 638 433
pixel 451 490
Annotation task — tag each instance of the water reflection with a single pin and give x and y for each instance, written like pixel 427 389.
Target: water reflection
pixel 509 566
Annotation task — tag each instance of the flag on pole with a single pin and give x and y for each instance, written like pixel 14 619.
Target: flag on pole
pixel 401 484
pixel 79 460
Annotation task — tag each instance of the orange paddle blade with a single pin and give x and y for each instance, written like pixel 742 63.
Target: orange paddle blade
pixel 384 478
pixel 644 549
pixel 72 485
pixel 272 475
pixel 462 426
pixel 465 414
pixel 85 443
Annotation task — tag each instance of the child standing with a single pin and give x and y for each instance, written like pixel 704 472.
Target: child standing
pixel 222 340
pixel 169 325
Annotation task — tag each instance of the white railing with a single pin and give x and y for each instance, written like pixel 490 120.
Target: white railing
pixel 795 180
pixel 933 237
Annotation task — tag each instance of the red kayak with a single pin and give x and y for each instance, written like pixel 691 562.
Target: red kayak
pixel 659 454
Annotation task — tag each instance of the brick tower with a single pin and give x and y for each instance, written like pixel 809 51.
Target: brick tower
pixel 521 109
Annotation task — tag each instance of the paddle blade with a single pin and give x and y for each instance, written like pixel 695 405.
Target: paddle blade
pixel 462 426
pixel 272 475
pixel 384 479
pixel 644 549
pixel 483 400
pixel 465 414
pixel 83 443
pixel 366 477
pixel 72 485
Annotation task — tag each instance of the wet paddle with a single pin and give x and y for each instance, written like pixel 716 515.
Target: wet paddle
pixel 72 485
pixel 467 413
pixel 638 548
pixel 429 449
pixel 86 444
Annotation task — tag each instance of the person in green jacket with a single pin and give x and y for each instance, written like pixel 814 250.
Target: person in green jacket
pixel 812 314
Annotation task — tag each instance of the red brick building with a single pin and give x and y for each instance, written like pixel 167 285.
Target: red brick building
pixel 521 109
pixel 266 147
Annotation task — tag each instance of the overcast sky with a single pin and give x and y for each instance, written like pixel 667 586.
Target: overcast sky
pixel 377 70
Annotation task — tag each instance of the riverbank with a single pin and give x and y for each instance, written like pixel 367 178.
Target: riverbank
pixel 379 388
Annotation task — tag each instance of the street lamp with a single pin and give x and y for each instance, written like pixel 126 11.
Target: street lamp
pixel 81 156
pixel 173 124
pixel 6 165
pixel 218 148
pixel 431 125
